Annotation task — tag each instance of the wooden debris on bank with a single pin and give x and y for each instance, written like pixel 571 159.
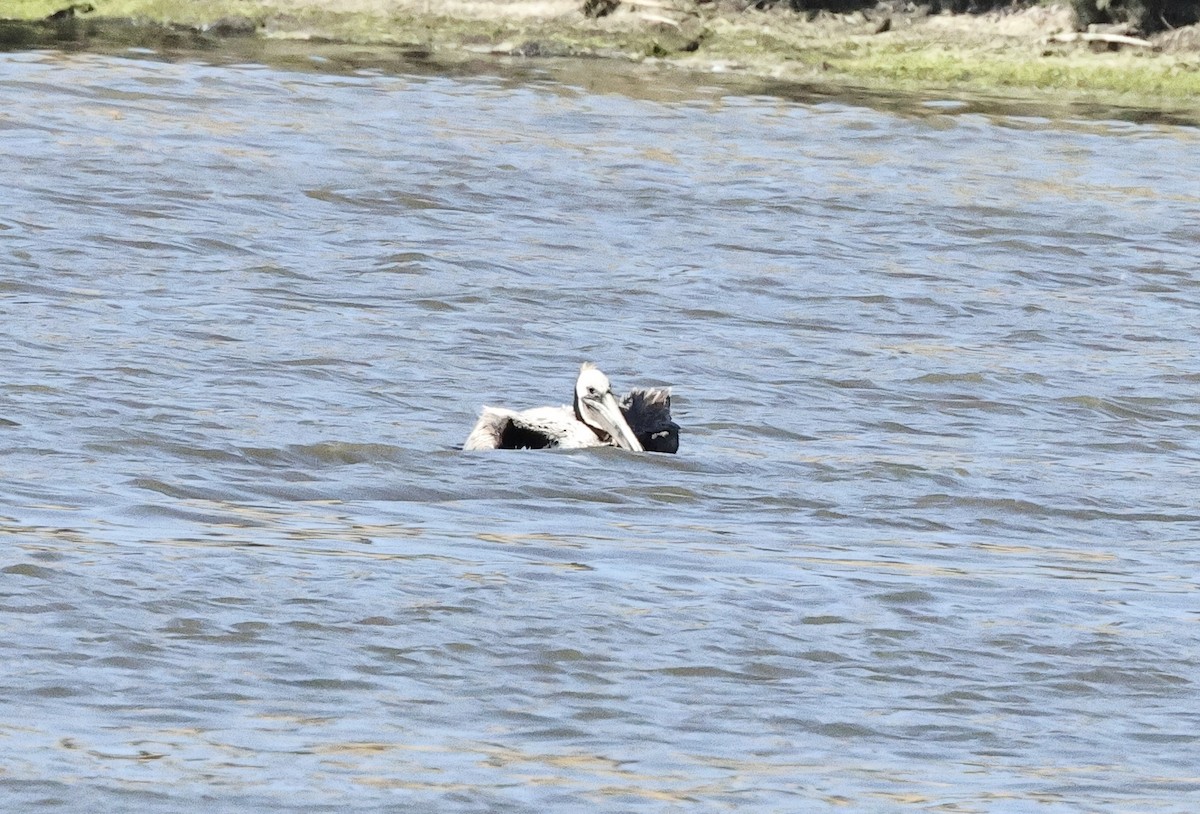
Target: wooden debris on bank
pixel 1105 39
pixel 655 12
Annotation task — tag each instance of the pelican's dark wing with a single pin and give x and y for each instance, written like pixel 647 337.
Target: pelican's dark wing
pixel 648 413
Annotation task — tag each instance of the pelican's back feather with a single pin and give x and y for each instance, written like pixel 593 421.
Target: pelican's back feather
pixel 539 428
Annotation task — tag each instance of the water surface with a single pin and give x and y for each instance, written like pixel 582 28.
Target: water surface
pixel 929 543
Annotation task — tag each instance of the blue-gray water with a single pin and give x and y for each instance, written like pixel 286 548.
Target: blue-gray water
pixel 930 543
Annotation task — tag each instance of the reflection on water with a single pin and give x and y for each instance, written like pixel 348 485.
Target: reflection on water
pixel 929 542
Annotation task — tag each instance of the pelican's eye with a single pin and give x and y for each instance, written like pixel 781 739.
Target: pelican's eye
pixel 591 391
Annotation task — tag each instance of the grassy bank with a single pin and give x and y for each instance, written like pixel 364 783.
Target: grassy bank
pixel 996 52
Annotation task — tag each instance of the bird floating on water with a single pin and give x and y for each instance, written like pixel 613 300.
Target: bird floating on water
pixel 639 422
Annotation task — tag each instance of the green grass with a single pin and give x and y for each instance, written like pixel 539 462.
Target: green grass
pixel 1158 76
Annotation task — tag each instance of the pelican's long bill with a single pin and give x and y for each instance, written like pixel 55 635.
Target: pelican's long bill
pixel 605 414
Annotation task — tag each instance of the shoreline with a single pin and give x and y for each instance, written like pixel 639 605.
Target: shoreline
pixel 1006 53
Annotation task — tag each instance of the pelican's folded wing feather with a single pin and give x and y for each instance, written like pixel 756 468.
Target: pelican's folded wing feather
pixel 488 432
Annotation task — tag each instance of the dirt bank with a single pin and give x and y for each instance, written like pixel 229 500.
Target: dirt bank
pixel 1031 51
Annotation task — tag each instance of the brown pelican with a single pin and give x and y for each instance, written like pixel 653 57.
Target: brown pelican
pixel 641 421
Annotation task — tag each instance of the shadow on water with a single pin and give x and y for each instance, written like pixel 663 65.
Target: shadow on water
pixel 226 43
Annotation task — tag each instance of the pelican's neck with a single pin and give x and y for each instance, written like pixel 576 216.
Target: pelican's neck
pixel 599 433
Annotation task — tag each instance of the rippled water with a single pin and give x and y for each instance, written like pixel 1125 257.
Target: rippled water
pixel 930 542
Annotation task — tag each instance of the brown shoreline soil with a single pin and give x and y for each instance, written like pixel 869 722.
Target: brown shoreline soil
pixel 901 47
